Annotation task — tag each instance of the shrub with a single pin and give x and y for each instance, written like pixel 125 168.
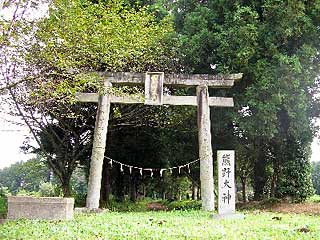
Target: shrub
pixel 314 199
pixel 47 189
pixel 184 205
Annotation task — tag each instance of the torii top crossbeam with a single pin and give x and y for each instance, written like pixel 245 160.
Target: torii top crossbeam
pixel 154 82
pixel 210 80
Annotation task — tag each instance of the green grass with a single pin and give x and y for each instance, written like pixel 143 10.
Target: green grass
pixel 167 225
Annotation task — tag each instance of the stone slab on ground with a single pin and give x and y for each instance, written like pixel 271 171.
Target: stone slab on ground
pixel 46 208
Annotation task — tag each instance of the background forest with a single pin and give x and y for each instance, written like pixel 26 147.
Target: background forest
pixel 275 44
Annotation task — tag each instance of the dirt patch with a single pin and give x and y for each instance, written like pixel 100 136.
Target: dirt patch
pixel 155 206
pixel 3 221
pixel 306 208
pixel 283 207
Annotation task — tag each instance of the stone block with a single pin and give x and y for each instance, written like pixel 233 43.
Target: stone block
pixel 46 208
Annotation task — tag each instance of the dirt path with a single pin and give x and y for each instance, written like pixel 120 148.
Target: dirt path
pixel 154 206
pixel 306 208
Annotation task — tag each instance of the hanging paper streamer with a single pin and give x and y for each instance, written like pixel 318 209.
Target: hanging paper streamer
pixel 122 165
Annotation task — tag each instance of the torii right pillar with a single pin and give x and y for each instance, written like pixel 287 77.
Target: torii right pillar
pixel 205 148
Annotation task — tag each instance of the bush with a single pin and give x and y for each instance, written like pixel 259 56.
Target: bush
pixel 271 201
pixel 3 206
pixel 184 205
pixel 4 192
pixel 23 192
pixel 314 199
pixel 47 189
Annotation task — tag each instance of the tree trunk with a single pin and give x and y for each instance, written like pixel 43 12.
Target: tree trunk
pixel 205 149
pixel 164 195
pixel 274 179
pixel 98 149
pixel 119 193
pixel 144 191
pixel 259 177
pixel 105 183
pixel 66 188
pixel 194 191
pixel 133 188
pixel 244 190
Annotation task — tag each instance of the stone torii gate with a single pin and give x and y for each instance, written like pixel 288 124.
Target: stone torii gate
pixel 154 82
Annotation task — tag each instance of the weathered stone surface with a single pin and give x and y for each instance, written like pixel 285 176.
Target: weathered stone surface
pixel 48 208
pixel 226 182
pixel 167 100
pixel 153 88
pixel 205 149
pixel 215 81
pixel 98 149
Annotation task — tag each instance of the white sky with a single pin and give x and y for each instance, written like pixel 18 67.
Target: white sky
pixel 12 137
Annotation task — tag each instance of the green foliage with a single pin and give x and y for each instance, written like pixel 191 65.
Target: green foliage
pixel 23 192
pixel 184 205
pixel 79 187
pixel 24 176
pixel 3 206
pixel 316 176
pixel 297 182
pixel 275 45
pixel 3 201
pixel 47 189
pixel 314 199
pixel 270 201
pixel 80 37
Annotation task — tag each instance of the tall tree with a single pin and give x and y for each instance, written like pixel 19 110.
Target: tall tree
pixel 76 39
pixel 275 45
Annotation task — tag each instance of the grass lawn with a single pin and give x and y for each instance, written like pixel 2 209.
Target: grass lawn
pixel 167 225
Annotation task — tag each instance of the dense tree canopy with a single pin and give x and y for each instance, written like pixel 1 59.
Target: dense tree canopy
pixel 26 176
pixel 276 45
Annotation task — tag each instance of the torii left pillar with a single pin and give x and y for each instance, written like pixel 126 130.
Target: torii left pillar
pixel 205 149
pixel 98 149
